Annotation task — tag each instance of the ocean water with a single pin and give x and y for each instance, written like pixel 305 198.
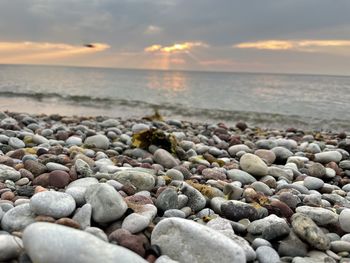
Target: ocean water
pixel 267 100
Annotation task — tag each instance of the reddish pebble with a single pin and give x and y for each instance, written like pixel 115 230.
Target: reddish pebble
pixel 7 196
pixel 42 180
pixel 48 219
pixel 59 179
pixel 68 222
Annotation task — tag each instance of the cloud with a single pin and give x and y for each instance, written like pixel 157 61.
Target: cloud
pixel 36 52
pixel 177 47
pixel 297 45
pixel 152 30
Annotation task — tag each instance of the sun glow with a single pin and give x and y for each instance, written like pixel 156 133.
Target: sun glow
pixel 177 47
pixel 38 52
pixel 298 45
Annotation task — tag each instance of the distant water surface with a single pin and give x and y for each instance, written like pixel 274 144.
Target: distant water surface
pixel 271 100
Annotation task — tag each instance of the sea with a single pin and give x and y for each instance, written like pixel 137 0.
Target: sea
pixel 313 102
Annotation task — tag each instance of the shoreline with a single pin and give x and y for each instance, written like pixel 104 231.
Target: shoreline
pixel 147 190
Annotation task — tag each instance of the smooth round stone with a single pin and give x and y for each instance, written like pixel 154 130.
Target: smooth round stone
pixel 21 201
pixel 237 210
pixel 135 223
pixel 8 173
pixel 22 181
pixel 174 213
pixel 52 203
pixel 164 158
pixel 109 123
pixel 266 144
pixel 17 218
pixel 35 167
pixel 340 246
pixel 313 183
pixel 313 148
pixel 42 240
pixel 143 181
pixel 292 246
pixel 233 150
pixel 10 247
pixel 308 231
pixel 16 143
pixel 327 157
pixel 38 139
pixel 266 254
pixel 83 168
pixel 138 127
pixel 98 141
pixel 187 241
pixel 313 200
pixel 175 174
pixel 267 155
pixel 258 242
pixel 317 170
pixel 282 154
pixel 83 216
pixel 344 220
pixel 196 201
pixel 259 226
pixel 241 176
pixel 56 166
pixel 319 215
pixel 107 204
pixel 59 178
pixel 253 165
pixel 346 237
pixel 330 173
pixel 167 199
pixel 74 140
pixel 261 187
pixel 345 165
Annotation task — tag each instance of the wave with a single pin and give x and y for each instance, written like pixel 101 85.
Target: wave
pixel 185 112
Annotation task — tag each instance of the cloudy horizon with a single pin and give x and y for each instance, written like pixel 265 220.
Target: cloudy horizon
pixel 291 36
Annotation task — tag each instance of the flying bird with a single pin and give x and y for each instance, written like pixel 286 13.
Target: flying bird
pixel 89 45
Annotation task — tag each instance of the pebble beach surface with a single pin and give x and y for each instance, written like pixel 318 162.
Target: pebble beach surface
pixel 80 189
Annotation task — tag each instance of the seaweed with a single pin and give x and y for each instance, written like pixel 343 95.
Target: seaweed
pixel 157 137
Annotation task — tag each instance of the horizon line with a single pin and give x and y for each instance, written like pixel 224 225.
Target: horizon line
pixel 182 70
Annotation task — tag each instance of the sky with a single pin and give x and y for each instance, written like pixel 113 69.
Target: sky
pixel 279 36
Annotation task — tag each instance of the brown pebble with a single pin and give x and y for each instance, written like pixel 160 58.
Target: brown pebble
pixel 42 180
pixel 59 179
pixel 48 219
pixel 151 258
pixel 7 195
pixel 68 222
pixel 125 239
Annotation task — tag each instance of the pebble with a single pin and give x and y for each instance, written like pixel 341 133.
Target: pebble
pixel 266 254
pixel 327 157
pixel 42 240
pixel 241 176
pixel 187 241
pixel 52 203
pixel 344 220
pixel 10 247
pixel 313 183
pixel 17 218
pixel 164 158
pixel 253 165
pixel 107 204
pixel 319 215
pixel 308 231
pixel 141 179
pixel 8 173
pixel 98 141
pixel 16 143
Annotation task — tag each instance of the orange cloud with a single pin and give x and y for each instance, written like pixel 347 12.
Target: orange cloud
pixel 177 47
pixel 297 45
pixel 36 52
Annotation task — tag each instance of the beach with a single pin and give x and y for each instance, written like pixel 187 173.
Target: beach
pixel 156 189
